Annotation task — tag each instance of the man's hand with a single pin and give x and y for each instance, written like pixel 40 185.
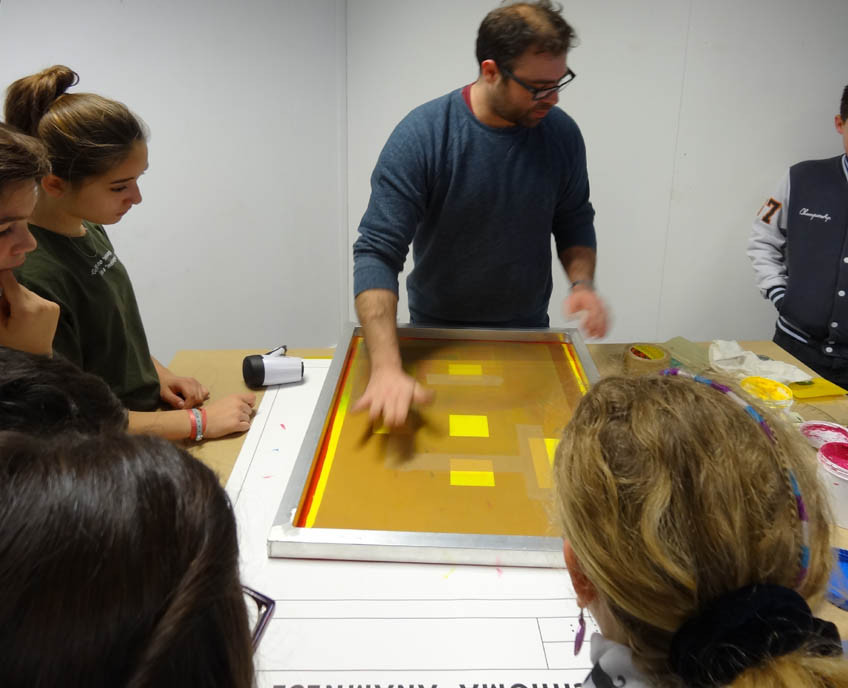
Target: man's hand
pixel 27 321
pixel 179 392
pixel 390 393
pixel 585 298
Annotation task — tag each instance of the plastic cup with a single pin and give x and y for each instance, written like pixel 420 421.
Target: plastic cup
pixel 833 470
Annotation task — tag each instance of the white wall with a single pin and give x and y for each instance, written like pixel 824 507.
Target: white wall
pixel 237 243
pixel 267 117
pixel 761 87
pixel 691 112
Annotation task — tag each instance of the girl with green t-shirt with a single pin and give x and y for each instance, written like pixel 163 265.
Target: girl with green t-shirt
pixel 98 151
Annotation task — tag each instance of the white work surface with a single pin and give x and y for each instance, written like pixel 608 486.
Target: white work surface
pixel 344 624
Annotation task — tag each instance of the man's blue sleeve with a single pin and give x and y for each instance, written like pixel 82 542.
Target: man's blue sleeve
pixel 574 217
pixel 397 205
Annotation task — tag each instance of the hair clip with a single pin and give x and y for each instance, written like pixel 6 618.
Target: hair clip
pixel 724 389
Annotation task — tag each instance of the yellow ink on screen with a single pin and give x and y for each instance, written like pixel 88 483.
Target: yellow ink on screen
pixel 462 425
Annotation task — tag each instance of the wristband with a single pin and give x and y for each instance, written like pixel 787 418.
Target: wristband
pixel 196 424
pixel 203 423
pixel 586 282
pixel 193 421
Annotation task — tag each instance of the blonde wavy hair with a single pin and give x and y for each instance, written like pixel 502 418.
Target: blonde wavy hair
pixel 671 495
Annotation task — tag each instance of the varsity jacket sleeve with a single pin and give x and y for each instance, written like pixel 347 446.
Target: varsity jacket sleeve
pixel 767 244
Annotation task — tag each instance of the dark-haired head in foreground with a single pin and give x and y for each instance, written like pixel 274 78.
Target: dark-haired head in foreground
pixel 119 567
pixel 47 395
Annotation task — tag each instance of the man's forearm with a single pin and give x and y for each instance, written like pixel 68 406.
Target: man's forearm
pixel 377 313
pixel 578 262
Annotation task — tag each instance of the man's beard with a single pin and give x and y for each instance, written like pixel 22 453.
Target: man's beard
pixel 518 116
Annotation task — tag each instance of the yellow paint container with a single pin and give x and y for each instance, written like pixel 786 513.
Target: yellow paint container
pixel 770 392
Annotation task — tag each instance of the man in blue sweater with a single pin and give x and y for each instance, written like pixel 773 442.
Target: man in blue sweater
pixel 478 181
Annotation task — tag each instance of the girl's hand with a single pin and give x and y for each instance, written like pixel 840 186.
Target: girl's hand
pixel 179 392
pixel 182 392
pixel 228 415
pixel 27 321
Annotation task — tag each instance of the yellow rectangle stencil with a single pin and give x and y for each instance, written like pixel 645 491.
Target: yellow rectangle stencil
pixel 543 450
pixel 472 472
pixel 472 478
pixel 465 369
pixel 468 426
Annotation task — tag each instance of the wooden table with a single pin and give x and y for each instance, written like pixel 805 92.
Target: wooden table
pixel 609 359
pixel 220 371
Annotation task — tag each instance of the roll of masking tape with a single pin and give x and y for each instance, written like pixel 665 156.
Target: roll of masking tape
pixel 645 358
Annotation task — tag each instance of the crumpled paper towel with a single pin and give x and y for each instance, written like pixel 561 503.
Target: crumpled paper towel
pixel 729 357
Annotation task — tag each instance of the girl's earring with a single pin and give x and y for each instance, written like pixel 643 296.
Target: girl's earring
pixel 581 633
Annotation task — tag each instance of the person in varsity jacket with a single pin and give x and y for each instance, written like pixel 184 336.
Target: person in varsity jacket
pixel 799 251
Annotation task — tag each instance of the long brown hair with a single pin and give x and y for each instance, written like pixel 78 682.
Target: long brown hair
pixel 86 135
pixel 671 496
pixel 22 158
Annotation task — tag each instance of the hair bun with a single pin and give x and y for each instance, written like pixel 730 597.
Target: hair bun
pixel 742 629
pixel 61 78
pixel 29 98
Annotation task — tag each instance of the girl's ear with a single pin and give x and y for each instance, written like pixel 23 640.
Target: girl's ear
pixel 54 186
pixel 586 592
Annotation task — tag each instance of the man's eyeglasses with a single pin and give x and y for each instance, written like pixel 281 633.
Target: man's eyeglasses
pixel 260 609
pixel 541 93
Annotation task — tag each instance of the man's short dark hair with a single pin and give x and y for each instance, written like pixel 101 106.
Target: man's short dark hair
pixel 42 396
pixel 508 32
pixel 843 106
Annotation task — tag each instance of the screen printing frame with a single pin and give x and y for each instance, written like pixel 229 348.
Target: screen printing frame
pixel 287 540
